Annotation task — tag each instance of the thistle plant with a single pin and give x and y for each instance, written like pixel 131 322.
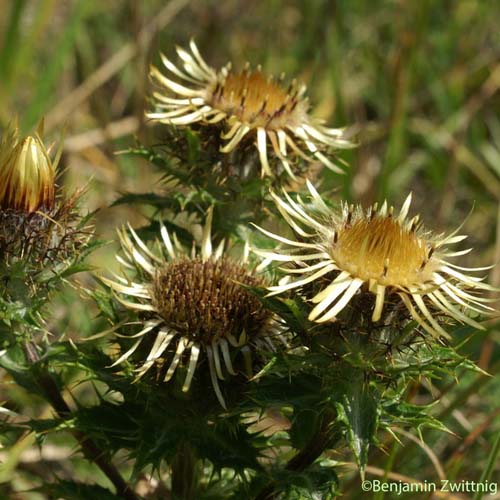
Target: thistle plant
pixel 255 332
pixel 43 237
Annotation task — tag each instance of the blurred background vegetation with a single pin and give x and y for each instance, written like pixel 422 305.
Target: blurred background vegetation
pixel 415 82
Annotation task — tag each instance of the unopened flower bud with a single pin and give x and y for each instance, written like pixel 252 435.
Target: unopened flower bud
pixel 27 174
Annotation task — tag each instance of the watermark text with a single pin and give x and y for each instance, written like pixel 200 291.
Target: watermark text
pixel 444 485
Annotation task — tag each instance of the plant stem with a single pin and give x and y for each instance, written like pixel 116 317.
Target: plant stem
pixel 183 473
pixel 90 450
pixel 305 457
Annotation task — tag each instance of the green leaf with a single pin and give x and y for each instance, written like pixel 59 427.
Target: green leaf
pixel 74 269
pixel 397 412
pixel 104 302
pixel 194 147
pixel 162 162
pixel 315 482
pixel 358 410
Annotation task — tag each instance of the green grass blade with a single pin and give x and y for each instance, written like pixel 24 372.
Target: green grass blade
pixel 63 49
pixel 11 38
pixel 492 459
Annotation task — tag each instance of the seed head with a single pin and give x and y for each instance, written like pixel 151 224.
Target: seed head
pixel 204 299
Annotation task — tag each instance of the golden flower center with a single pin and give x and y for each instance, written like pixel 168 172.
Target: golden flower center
pixel 254 100
pixel 381 249
pixel 205 301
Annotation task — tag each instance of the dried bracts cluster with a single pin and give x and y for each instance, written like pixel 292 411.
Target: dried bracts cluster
pixel 193 307
pixel 37 227
pixel 250 107
pixel 386 254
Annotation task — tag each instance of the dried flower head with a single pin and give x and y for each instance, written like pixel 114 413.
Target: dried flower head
pixel 246 102
pixel 27 174
pixel 193 304
pixel 384 253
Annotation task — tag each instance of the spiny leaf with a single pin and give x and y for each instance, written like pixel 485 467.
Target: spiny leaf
pixel 396 411
pixel 315 482
pixel 358 409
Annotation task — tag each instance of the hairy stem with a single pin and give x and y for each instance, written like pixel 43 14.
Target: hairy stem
pixel 90 450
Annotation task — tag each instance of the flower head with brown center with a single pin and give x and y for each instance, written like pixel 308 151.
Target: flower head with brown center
pixel 377 250
pixel 27 174
pixel 246 102
pixel 203 299
pixel 193 304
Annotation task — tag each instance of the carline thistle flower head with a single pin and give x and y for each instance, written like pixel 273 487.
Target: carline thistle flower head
pixel 27 174
pixel 247 103
pixel 380 252
pixel 193 305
